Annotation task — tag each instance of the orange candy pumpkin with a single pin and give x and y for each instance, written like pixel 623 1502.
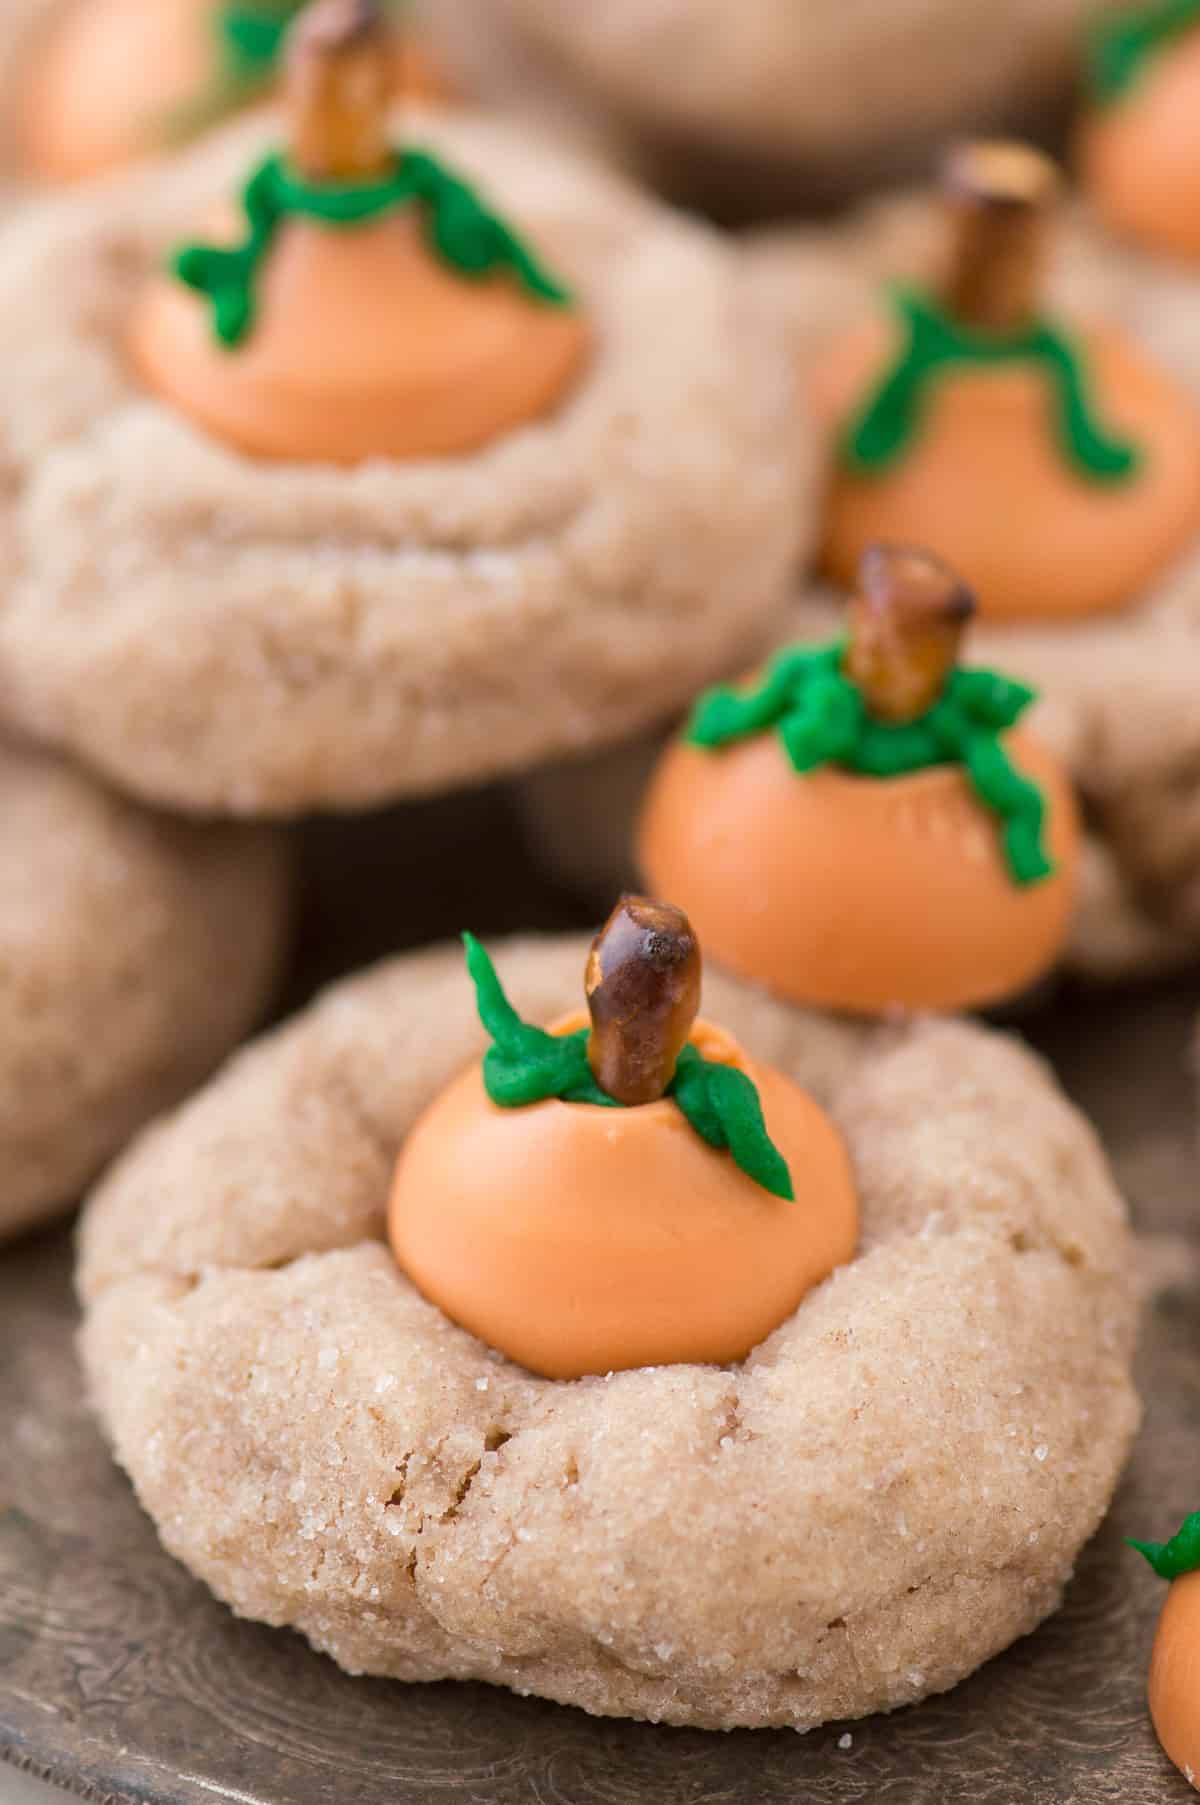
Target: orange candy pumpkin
pixel 1139 153
pixel 363 341
pixel 577 1237
pixel 1175 1676
pixel 585 1240
pixel 118 80
pixel 855 893
pixel 862 892
pixel 998 473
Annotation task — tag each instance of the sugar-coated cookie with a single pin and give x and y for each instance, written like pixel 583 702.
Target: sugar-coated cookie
pixel 890 1489
pixel 135 951
pixel 814 98
pixel 225 633
pixel 1116 702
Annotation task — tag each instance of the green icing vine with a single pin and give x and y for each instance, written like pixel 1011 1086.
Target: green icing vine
pixel 251 37
pixel 1180 1555
pixel 526 1065
pixel 822 719
pixel 1124 42
pixel 459 227
pixel 890 420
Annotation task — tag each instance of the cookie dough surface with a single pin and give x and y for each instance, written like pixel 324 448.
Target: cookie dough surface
pixel 216 633
pixel 815 81
pixel 134 953
pixel 892 1488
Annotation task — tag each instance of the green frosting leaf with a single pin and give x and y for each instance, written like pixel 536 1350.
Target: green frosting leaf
pixel 459 227
pixel 251 36
pixel 822 719
pixel 891 419
pixel 1180 1555
pixel 1123 43
pixel 527 1065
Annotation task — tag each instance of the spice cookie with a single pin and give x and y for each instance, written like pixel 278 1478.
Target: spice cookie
pixel 1118 706
pixel 887 1491
pixel 772 99
pixel 985 403
pixel 392 496
pixel 134 953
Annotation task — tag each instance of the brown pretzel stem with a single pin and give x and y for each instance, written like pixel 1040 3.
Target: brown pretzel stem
pixel 643 991
pixel 339 71
pixel 906 629
pixel 1000 198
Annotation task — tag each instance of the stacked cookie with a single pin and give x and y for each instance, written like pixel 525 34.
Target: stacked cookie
pixel 362 452
pixel 433 511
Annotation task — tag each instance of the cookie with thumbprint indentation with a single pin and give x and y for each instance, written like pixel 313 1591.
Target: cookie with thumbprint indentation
pixel 848 1515
pixel 385 485
pixel 1052 465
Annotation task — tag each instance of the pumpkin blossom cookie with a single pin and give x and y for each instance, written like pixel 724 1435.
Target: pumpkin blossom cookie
pixel 676 1368
pixel 1115 692
pixel 905 843
pixel 135 952
pixel 378 483
pixel 109 82
pixel 974 408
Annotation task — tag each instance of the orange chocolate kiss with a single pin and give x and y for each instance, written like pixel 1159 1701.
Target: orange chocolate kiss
pixel 578 1239
pixel 986 486
pixel 112 77
pixel 365 345
pixel 1175 1676
pixel 857 893
pixel 1139 158
pixel 108 78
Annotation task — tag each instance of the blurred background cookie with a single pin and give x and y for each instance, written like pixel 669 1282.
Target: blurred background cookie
pixel 135 952
pixel 757 107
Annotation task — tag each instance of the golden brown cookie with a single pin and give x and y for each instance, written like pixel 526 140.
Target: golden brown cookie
pixel 1117 703
pixel 770 100
pixel 891 1488
pixel 135 951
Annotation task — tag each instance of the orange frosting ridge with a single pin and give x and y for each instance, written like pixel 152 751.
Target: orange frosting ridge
pixel 1175 1676
pixel 986 486
pixel 857 893
pixel 112 75
pixel 1139 157
pixel 365 345
pixel 580 1240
